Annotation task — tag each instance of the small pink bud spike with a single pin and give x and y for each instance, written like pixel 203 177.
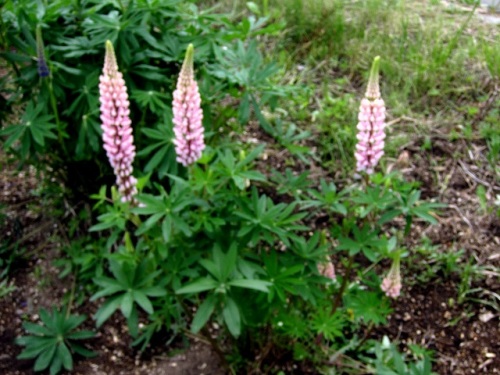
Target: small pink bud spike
pixel 391 284
pixel 327 269
pixel 188 129
pixel 116 125
pixel 371 125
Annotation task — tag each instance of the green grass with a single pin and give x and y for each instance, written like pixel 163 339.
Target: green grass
pixel 434 65
pixel 437 70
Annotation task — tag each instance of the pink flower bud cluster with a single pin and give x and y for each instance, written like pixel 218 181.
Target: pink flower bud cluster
pixel 327 269
pixel 188 129
pixel 391 284
pixel 371 125
pixel 116 125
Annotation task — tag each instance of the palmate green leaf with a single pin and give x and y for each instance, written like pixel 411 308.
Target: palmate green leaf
pixel 123 272
pixel 110 290
pixel 200 285
pixel 34 345
pixel 80 335
pixel 253 175
pixel 56 365
pixel 14 133
pixel 259 285
pixel 232 317
pixel 75 47
pixel 240 182
pixel 158 157
pixel 166 228
pixel 151 205
pixel 151 73
pixel 154 100
pixel 127 303
pixel 144 274
pixel 389 216
pixel 265 219
pixel 227 263
pixel 67 69
pixel 365 240
pixel 45 358
pixel 88 136
pixel 244 109
pixel 109 220
pixel 107 309
pixel 154 291
pixel 163 160
pixel 37 329
pixel 203 313
pixel 82 351
pixel 16 57
pixel 156 134
pixel 149 223
pixel 181 224
pixel 211 267
pixel 424 210
pixel 143 301
pixel 53 350
pixel 49 319
pixel 133 322
pixel 368 306
pixel 65 355
pixel 40 129
pixel 326 324
pixel 72 322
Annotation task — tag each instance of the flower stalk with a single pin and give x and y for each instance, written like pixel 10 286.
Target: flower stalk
pixel 44 72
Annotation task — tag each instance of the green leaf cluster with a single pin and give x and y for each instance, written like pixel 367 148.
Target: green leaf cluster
pixel 52 342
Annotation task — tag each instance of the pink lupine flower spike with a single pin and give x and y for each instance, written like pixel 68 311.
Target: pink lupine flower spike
pixel 188 129
pixel 116 125
pixel 371 125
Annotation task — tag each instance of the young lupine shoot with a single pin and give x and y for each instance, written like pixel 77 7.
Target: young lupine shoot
pixel 391 285
pixel 188 129
pixel 116 125
pixel 371 125
pixel 43 69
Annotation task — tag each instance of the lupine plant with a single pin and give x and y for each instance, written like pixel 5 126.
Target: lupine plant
pixel 199 240
pixel 53 53
pixel 227 254
pixel 53 343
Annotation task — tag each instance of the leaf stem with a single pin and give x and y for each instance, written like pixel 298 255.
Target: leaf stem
pixel 121 6
pixel 72 294
pixel 53 102
pixel 366 335
pixel 207 335
pixel 345 280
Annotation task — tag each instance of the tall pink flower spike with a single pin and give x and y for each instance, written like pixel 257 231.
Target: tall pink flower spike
pixel 371 125
pixel 116 125
pixel 188 129
pixel 391 285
